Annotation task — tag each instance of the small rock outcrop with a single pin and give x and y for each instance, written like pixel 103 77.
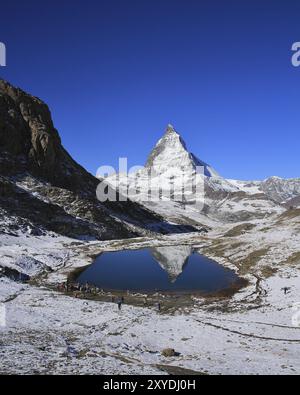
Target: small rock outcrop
pixel 169 352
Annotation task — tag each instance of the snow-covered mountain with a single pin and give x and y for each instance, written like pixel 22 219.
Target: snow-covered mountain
pixel 222 199
pixel 281 190
pixel 171 153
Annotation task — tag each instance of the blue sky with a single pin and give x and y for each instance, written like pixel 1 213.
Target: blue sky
pixel 115 72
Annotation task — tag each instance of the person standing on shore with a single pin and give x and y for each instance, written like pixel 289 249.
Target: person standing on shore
pixel 119 304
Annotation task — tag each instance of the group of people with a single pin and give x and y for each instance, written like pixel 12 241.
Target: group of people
pixel 89 289
pixel 76 287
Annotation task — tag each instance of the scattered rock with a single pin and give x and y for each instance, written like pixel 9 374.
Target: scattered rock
pixel 169 352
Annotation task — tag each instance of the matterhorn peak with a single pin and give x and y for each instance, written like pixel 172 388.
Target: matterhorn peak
pixel 171 153
pixel 172 137
pixel 171 133
pixel 170 129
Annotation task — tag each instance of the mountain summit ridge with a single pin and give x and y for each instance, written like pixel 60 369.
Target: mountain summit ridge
pixel 171 152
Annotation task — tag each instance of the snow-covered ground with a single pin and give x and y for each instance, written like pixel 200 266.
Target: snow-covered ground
pixel 254 332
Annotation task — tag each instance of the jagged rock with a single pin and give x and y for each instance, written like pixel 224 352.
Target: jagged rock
pixel 31 143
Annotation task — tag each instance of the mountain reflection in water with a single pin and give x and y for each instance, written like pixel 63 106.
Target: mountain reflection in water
pixel 174 268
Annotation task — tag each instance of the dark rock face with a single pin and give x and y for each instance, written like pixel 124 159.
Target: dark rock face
pixel 43 188
pixel 26 126
pixel 29 139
